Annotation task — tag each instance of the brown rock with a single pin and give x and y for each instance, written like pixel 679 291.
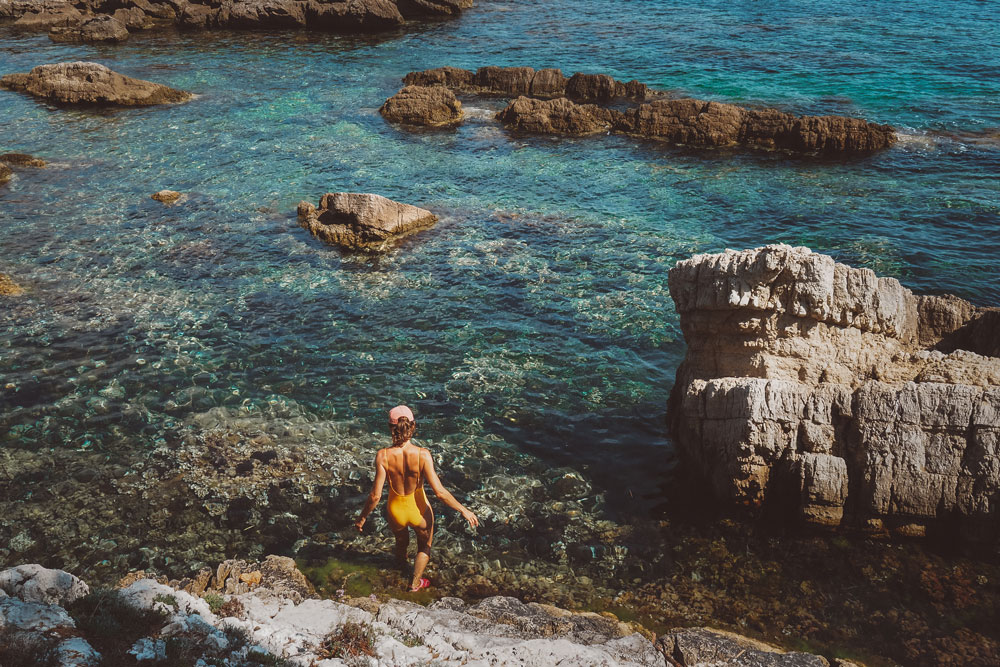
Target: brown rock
pixel 423 105
pixel 262 14
pixel 166 196
pixel 5 174
pixel 50 16
pixel 280 575
pixel 452 77
pixel 558 116
pixel 769 128
pixel 102 28
pixel 133 18
pixel 599 88
pixel 417 8
pixel 548 83
pixel 689 122
pixel 199 584
pixel 504 80
pixel 354 16
pixel 811 382
pixel 8 287
pixel 22 160
pixel 90 83
pixel 356 220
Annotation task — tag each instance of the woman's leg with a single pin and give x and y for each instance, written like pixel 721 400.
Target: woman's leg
pixel 402 535
pixel 425 536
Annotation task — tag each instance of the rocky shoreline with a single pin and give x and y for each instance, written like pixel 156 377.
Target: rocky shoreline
pixel 98 21
pixel 547 102
pixel 268 613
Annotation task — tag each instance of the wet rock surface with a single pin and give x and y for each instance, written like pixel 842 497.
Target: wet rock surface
pixel 90 83
pixel 823 387
pixel 423 105
pixel 22 160
pixel 5 173
pixel 7 285
pixel 360 220
pixel 166 196
pixel 705 647
pixel 549 103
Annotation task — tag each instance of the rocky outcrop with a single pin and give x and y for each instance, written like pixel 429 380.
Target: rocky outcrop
pixel 577 108
pixel 517 81
pixel 98 29
pixel 44 15
pixel 90 83
pixel 838 393
pixel 361 221
pixel 558 116
pixel 423 105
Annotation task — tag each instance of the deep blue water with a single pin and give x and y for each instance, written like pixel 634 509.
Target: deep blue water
pixel 536 312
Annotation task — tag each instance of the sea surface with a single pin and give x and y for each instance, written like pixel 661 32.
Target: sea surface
pixel 536 313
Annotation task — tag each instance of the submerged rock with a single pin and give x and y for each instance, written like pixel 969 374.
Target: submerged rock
pixel 166 196
pixel 837 393
pixel 22 160
pixel 7 285
pixel 423 105
pixel 5 173
pixel 359 220
pixel 98 29
pixel 90 83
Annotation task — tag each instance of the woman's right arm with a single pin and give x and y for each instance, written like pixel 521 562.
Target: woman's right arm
pixel 443 493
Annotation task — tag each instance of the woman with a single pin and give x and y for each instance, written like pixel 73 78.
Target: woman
pixel 407 466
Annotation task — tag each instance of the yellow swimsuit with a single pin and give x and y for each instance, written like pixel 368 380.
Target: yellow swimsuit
pixel 406 510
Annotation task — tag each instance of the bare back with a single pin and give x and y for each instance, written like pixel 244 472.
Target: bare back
pixel 403 468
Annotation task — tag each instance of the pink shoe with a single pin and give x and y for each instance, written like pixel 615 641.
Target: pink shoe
pixel 424 583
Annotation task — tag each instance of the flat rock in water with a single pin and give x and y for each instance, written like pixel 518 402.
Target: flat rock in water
pixel 90 83
pixel 423 105
pixel 363 221
pixel 5 173
pixel 558 116
pixel 7 285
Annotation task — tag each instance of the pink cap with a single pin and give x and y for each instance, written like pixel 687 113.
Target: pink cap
pixel 400 411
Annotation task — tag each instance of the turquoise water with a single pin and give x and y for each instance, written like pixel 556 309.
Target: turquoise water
pixel 536 311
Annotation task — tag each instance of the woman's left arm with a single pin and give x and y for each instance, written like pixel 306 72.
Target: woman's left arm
pixel 376 492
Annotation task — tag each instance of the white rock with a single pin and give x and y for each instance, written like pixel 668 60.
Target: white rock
pixel 33 616
pixel 76 652
pixel 34 583
pixel 143 594
pixel 149 649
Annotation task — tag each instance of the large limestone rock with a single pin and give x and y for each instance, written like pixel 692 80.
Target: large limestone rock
pixel 357 220
pixel 44 16
pixel 90 83
pixel 34 583
pixel 838 393
pixel 423 105
pixel 102 28
pixel 558 116
pixel 707 647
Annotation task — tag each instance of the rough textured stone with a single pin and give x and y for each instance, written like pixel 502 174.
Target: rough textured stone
pixel 423 105
pixel 34 583
pixel 5 173
pixel 22 160
pixel 166 196
pixel 599 88
pixel 707 647
pixel 49 15
pixel 557 116
pixel 823 386
pixel 358 220
pixel 98 29
pixel 90 83
pixel 452 77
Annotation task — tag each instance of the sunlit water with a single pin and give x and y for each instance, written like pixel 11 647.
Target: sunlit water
pixel 536 312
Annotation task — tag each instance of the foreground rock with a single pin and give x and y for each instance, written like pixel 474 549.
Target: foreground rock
pixel 361 221
pixel 838 393
pixel 90 83
pixel 98 29
pixel 265 617
pixel 423 105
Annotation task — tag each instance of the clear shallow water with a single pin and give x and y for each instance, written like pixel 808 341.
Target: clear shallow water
pixel 537 310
